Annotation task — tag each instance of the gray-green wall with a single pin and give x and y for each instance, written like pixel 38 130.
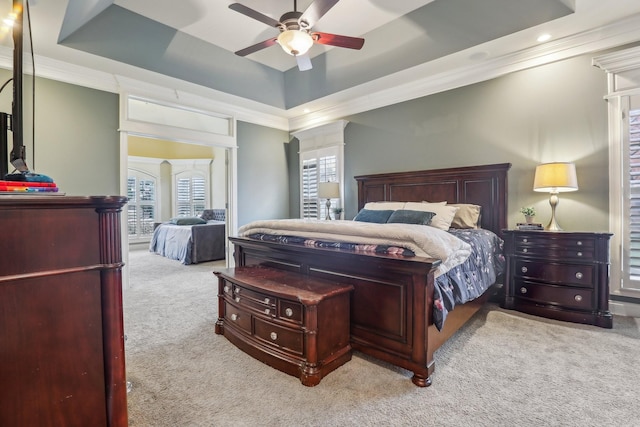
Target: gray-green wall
pixel 554 112
pixel 263 175
pixel 76 136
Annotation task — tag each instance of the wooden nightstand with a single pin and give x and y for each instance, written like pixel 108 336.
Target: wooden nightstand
pixel 560 275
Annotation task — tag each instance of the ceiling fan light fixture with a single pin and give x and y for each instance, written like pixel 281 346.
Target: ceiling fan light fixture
pixel 295 42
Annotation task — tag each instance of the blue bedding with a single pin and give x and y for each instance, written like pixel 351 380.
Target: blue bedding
pixel 473 277
pixel 172 241
pixel 190 244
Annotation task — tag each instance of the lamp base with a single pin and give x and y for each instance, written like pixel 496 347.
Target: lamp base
pixel 328 217
pixel 553 224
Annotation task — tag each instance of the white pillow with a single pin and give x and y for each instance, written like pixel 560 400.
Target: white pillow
pixel 384 206
pixel 444 214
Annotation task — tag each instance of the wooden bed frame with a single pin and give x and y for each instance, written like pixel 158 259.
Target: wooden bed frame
pixel 391 305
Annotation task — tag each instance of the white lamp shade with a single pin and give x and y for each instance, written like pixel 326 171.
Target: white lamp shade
pixel 555 177
pixel 295 42
pixel 328 190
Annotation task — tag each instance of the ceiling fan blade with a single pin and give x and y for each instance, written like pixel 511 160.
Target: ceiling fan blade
pixel 316 10
pixel 256 47
pixel 254 14
pixel 304 62
pixel 338 40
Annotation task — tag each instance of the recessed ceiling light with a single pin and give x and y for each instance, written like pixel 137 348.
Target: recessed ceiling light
pixel 543 37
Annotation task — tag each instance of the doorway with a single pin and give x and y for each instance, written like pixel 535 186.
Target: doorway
pixel 178 129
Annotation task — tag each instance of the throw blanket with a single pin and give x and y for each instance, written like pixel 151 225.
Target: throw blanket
pixel 424 241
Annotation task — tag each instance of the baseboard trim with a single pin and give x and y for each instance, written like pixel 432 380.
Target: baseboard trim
pixel 624 308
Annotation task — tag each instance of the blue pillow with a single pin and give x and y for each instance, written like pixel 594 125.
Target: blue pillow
pixel 406 216
pixel 185 220
pixel 368 215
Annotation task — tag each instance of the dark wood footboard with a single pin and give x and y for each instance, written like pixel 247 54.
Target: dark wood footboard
pixel 391 304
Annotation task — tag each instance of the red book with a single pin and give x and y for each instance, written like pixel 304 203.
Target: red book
pixel 27 183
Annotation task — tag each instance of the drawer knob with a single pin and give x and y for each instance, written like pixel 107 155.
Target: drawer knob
pixel 579 243
pixel 578 275
pixel 523 290
pixel 525 240
pixel 267 300
pixel 579 254
pixel 525 250
pixel 237 299
pixel 267 311
pixel 524 269
pixel 234 317
pixel 578 298
pixel 273 336
pixel 288 312
pixel 226 289
pixel 238 290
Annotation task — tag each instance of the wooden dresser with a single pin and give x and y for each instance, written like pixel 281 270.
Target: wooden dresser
pixel 61 330
pixel 560 275
pixel 292 322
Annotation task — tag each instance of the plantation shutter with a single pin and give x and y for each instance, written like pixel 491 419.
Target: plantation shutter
pixel 132 210
pixel 633 209
pixel 310 188
pixel 191 191
pixel 141 206
pixel 317 166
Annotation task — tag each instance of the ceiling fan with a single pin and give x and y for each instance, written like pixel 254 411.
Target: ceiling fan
pixel 296 37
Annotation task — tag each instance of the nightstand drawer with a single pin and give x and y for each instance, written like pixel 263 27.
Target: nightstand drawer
pixel 579 298
pixel 573 274
pixel 583 252
pixel 285 338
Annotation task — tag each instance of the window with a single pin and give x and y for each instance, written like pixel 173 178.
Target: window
pixel 631 203
pixel 321 153
pixel 317 166
pixel 141 208
pixel 623 69
pixel 190 194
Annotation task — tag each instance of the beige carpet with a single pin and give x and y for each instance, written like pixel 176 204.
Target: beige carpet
pixel 502 369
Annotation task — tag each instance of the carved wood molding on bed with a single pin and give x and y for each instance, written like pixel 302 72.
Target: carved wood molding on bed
pixel 480 185
pixel 393 296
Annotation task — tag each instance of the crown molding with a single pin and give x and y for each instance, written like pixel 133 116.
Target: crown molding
pixel 173 90
pixel 618 62
pixel 434 77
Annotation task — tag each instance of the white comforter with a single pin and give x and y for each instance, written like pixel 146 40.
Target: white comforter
pixel 423 240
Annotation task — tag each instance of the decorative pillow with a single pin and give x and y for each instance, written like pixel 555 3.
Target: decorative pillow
pixel 213 214
pixel 373 215
pixel 187 220
pixel 411 217
pixel 207 214
pixel 468 216
pixel 384 206
pixel 444 213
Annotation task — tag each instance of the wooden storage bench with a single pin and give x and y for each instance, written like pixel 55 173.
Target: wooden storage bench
pixel 292 322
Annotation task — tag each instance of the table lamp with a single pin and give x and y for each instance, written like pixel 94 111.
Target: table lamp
pixel 555 178
pixel 328 190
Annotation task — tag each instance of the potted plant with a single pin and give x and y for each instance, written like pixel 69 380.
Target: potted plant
pixel 529 213
pixel 337 212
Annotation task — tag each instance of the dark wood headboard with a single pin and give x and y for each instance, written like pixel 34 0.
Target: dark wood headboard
pixel 480 185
